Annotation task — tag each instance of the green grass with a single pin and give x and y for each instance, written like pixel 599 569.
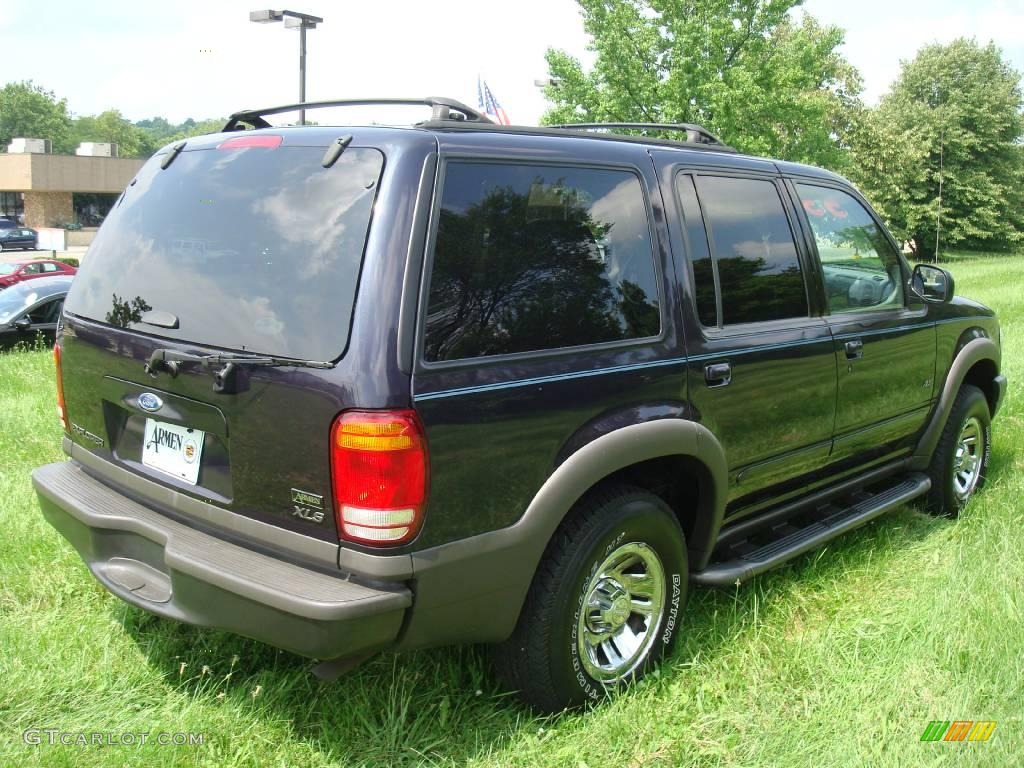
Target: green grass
pixel 840 659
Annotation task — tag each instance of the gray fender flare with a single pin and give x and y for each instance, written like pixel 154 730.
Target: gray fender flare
pixel 973 352
pixel 473 590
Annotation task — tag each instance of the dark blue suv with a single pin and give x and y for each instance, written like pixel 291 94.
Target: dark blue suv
pixel 345 389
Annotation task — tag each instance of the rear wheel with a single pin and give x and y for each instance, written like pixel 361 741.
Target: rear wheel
pixel 604 604
pixel 960 461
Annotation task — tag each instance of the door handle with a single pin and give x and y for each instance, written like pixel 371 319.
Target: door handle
pixel 854 349
pixel 718 375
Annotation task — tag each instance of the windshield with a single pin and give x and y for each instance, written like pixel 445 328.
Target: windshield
pixel 254 249
pixel 14 301
pixel 8 269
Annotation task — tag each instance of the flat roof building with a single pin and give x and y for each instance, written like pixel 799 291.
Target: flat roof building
pixel 55 190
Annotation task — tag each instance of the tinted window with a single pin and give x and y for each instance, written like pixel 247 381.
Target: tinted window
pixel 754 255
pixel 46 313
pixel 861 268
pixel 699 255
pixel 252 249
pixel 537 257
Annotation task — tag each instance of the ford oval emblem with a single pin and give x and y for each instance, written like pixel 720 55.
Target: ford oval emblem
pixel 150 402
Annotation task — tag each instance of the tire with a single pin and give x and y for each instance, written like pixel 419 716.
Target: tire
pixel 960 461
pixel 616 545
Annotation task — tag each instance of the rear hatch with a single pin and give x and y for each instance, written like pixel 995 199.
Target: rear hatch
pixel 244 245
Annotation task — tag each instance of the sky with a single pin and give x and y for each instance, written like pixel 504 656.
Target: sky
pixel 205 59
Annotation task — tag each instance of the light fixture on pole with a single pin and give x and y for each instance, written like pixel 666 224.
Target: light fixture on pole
pixel 292 20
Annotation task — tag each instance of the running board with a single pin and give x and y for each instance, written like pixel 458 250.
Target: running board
pixel 729 572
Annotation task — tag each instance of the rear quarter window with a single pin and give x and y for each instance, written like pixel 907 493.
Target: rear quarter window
pixel 538 257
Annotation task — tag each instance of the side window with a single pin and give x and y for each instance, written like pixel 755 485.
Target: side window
pixel 754 256
pixel 49 267
pixel 861 268
pixel 535 257
pixel 32 269
pixel 47 312
pixel 698 252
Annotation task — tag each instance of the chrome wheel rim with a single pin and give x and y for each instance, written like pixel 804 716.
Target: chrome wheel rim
pixel 622 612
pixel 967 458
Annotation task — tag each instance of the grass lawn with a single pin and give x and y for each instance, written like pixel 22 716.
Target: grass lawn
pixel 840 659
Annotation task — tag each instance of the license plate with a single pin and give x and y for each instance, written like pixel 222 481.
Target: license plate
pixel 173 450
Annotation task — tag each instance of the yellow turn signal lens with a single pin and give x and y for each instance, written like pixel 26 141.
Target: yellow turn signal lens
pixel 375 436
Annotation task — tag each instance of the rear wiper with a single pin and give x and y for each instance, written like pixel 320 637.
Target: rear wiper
pixel 223 366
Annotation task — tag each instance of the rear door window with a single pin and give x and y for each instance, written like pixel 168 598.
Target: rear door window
pixel 538 257
pixel 754 257
pixel 252 249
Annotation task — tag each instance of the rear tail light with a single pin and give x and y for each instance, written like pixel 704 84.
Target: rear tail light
pixel 380 472
pixel 62 411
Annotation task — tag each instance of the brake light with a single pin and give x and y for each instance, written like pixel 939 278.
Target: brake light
pixel 265 140
pixel 380 473
pixel 62 412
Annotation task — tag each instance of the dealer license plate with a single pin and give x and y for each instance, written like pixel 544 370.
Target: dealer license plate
pixel 172 449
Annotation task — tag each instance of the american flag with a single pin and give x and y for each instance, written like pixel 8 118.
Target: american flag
pixel 488 104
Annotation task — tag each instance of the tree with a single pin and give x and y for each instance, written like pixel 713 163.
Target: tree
pixel 111 127
pixel 31 111
pixel 953 118
pixel 741 68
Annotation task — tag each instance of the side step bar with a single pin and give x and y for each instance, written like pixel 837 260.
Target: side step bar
pixel 727 573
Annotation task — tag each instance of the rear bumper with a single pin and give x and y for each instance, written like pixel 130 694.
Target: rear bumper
pixel 175 571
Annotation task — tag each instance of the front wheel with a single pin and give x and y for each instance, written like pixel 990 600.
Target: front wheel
pixel 961 458
pixel 604 605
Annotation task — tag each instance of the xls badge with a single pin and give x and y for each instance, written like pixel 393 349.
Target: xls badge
pixel 307 506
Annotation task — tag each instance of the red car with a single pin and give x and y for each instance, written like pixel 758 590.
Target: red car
pixel 13 272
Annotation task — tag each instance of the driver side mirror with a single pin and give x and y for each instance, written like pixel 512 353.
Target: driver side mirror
pixel 932 284
pixel 22 323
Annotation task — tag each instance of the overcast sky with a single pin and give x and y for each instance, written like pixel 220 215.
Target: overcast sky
pixel 205 59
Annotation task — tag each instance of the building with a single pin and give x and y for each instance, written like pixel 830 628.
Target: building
pixel 45 190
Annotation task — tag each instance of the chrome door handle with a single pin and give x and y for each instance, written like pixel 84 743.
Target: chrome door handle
pixel 718 375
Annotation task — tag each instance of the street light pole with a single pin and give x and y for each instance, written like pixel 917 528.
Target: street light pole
pixel 302 72
pixel 292 20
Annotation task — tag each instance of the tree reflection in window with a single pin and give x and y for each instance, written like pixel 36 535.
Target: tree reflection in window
pixel 124 312
pixel 758 268
pixel 531 258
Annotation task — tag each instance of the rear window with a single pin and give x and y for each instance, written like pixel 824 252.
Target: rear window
pixel 252 249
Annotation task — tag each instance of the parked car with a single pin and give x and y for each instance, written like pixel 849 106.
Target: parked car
pixel 472 383
pixel 30 312
pixel 13 237
pixel 14 272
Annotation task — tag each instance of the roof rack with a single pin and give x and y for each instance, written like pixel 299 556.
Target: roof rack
pixel 443 109
pixel 695 134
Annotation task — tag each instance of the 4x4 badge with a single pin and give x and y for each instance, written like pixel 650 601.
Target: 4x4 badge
pixel 307 498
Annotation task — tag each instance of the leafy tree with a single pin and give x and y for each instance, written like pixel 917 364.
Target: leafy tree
pixel 29 110
pixel 112 127
pixel 742 68
pixel 191 128
pixel 953 115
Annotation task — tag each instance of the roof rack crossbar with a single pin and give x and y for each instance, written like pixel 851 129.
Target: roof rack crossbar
pixel 695 134
pixel 443 109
